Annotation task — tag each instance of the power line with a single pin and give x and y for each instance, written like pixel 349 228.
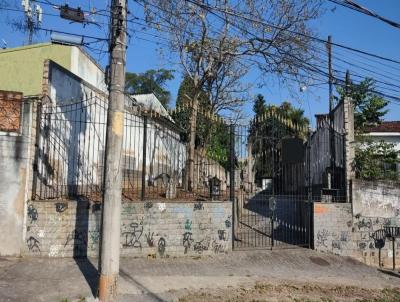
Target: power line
pixel 354 6
pixel 266 24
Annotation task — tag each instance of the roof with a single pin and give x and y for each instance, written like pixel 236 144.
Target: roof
pixel 388 126
pixel 151 102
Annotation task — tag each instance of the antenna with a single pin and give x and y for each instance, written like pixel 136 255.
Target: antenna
pixel 34 17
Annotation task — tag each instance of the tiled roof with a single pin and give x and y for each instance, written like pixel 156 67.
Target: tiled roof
pixel 392 126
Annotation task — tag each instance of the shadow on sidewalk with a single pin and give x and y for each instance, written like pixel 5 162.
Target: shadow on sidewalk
pixel 125 275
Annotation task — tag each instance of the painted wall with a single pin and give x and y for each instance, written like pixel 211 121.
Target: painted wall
pixel 357 229
pixel 14 162
pixel 72 140
pixel 69 228
pixel 22 67
pixel 86 68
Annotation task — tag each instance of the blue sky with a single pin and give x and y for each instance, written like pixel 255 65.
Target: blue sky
pixel 346 27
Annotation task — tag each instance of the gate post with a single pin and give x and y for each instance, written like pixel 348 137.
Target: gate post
pixel 232 182
pixel 309 193
pixel 35 165
pixel 143 193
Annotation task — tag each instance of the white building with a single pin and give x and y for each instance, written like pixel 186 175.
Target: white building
pixel 387 131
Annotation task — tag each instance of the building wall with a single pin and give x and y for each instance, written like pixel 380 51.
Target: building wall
pixel 72 140
pixel 22 68
pixel 86 68
pixel 14 171
pixel 71 228
pixel 355 229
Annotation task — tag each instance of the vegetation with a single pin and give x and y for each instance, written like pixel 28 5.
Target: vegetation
pixel 212 136
pixel 373 160
pixel 376 161
pixel 216 47
pixel 265 133
pixel 369 108
pixel 151 81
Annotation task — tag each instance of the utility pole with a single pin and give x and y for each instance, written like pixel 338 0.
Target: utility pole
pixel 331 115
pixel 111 215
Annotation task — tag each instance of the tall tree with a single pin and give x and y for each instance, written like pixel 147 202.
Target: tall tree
pixel 150 81
pixel 218 41
pixel 369 107
pixel 270 125
pixel 259 105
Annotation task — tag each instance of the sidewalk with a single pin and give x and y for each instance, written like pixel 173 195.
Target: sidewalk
pixel 275 274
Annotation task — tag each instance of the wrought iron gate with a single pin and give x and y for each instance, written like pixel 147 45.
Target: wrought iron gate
pixel 273 199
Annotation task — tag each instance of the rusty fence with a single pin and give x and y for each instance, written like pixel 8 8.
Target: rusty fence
pixel 70 152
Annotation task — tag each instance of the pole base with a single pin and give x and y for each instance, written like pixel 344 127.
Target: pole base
pixel 108 288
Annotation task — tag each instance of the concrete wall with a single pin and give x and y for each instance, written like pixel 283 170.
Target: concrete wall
pixel 69 228
pixel 74 119
pixel 22 67
pixel 377 199
pixel 356 229
pixel 15 170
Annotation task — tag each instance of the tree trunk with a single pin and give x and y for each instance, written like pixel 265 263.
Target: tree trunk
pixel 190 179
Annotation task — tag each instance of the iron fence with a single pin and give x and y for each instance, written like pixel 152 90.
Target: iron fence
pixel 69 159
pixel 271 153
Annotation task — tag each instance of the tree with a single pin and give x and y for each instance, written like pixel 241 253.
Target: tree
pixel 151 81
pixel 369 107
pixel 212 136
pixel 270 125
pixel 376 161
pixel 218 41
pixel 373 160
pixel 259 105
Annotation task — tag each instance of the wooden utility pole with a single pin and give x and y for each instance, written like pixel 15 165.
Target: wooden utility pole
pixel 331 114
pixel 111 216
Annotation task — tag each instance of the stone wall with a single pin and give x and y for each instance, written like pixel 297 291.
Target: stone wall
pixel 150 229
pixel 357 229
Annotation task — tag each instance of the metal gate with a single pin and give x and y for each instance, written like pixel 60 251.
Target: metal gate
pixel 272 205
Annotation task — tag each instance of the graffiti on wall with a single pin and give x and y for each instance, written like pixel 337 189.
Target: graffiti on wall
pixel 33 244
pixel 322 238
pixel 61 207
pixel 149 239
pixel 201 233
pixel 198 206
pixel 32 213
pixel 132 236
pixel 161 246
pixel 187 241
pixel 188 225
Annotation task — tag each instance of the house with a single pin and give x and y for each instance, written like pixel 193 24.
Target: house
pixel 387 131
pixel 22 67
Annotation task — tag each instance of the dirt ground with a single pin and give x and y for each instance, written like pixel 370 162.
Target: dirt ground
pixel 293 292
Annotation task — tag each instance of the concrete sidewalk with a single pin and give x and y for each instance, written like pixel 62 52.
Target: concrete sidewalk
pixel 170 279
